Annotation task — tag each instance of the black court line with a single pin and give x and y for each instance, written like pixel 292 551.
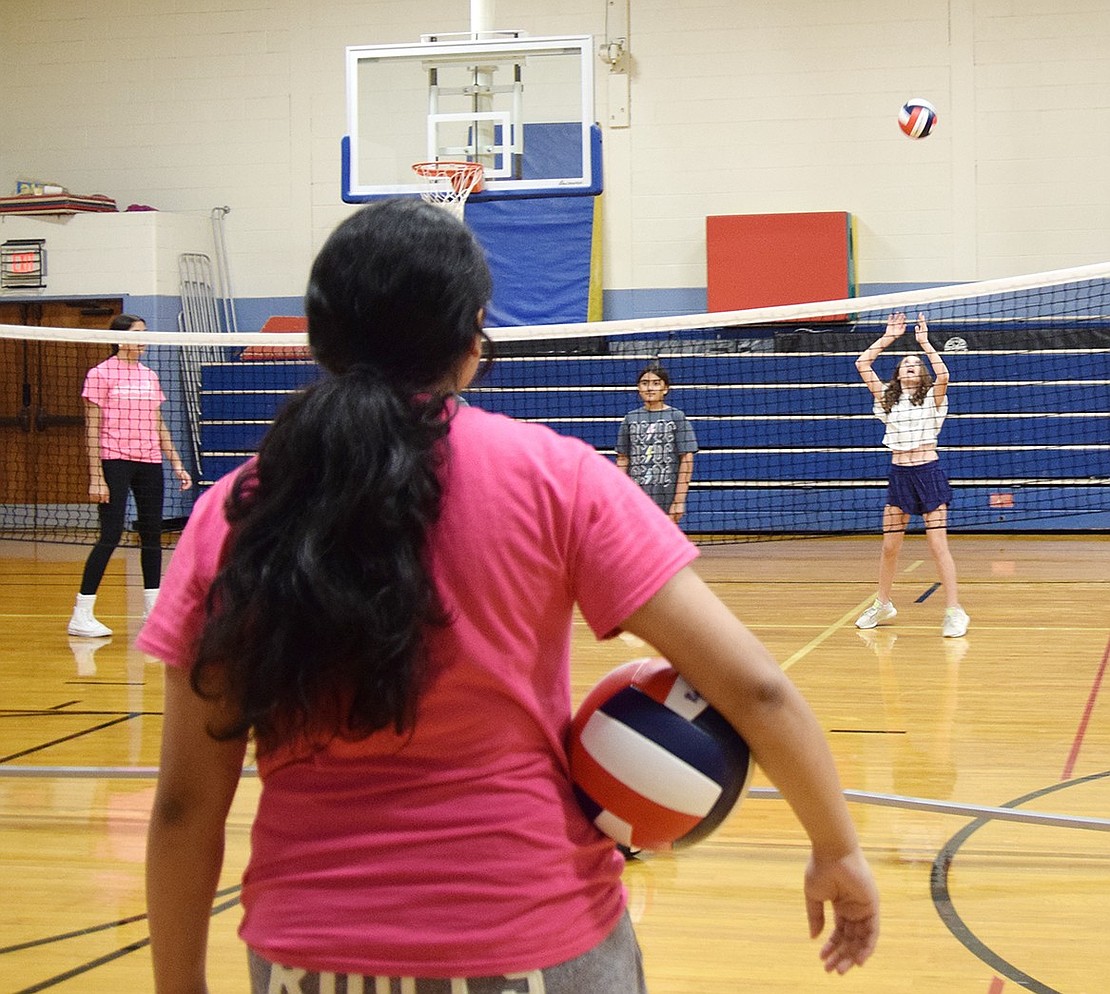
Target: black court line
pixel 68 738
pixel 93 929
pixel 867 731
pixel 65 704
pixel 77 933
pixel 928 593
pixel 942 899
pixel 105 683
pixel 54 712
pixel 131 947
pixel 43 985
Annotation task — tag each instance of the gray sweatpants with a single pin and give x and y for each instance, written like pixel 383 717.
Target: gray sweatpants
pixel 612 967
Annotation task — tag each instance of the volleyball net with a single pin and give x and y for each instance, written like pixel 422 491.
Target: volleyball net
pixel 787 441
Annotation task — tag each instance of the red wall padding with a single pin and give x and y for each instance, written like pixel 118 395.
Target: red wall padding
pixel 759 260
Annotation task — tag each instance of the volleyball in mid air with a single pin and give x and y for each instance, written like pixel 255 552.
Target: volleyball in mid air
pixel 654 765
pixel 917 118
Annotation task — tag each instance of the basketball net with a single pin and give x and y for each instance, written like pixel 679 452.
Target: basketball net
pixel 450 183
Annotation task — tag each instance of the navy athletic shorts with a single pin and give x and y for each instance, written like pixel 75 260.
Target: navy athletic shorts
pixel 918 489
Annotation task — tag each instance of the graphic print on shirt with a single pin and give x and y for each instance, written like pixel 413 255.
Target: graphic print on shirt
pixel 654 457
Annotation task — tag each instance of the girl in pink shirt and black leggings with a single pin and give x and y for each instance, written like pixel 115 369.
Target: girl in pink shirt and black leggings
pixel 126 439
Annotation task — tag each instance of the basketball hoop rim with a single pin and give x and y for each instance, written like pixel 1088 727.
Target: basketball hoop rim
pixel 464 176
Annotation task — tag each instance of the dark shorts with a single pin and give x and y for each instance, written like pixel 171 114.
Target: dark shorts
pixel 918 489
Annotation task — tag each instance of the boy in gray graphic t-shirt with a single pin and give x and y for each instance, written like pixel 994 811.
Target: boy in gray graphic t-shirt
pixel 656 444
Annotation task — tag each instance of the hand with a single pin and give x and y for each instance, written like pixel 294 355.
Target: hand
pixel 183 477
pixel 98 490
pixel 921 330
pixel 848 885
pixel 678 509
pixel 896 325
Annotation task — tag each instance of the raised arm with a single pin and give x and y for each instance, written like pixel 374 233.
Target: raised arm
pixel 895 328
pixel 940 370
pixel 731 668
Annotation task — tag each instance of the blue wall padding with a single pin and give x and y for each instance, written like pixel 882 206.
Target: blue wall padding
pixel 539 253
pixel 551 151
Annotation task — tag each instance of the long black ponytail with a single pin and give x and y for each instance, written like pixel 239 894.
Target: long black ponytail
pixel 319 615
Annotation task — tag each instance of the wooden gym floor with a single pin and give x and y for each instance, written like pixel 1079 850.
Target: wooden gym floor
pixel 1016 714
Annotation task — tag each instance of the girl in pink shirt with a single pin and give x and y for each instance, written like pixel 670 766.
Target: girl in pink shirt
pixel 383 602
pixel 126 438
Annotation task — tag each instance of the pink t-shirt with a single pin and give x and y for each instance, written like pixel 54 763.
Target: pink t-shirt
pixel 128 395
pixel 459 850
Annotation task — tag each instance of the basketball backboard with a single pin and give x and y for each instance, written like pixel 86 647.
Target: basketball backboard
pixel 521 106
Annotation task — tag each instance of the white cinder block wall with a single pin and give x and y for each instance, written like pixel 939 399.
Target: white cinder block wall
pixel 737 106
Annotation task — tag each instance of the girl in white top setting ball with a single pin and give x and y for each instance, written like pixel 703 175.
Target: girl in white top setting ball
pixel 913 405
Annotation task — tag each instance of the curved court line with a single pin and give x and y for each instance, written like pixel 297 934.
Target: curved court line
pixel 942 899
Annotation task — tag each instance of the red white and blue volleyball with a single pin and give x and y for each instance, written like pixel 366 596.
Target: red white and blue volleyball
pixel 917 118
pixel 654 766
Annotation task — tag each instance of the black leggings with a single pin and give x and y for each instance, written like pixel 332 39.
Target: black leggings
pixel 144 480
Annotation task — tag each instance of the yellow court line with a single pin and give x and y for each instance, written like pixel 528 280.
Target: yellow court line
pixel 839 623
pixel 829 632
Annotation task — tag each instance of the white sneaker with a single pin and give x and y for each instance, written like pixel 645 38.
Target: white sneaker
pixel 82 624
pixel 149 598
pixel 955 623
pixel 876 613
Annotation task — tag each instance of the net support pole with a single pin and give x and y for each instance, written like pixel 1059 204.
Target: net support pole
pixel 481 17
pixel 481 26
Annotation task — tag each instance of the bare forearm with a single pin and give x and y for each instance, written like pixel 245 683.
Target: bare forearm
pixel 682 485
pixel 182 872
pixel 165 442
pixel 92 440
pixel 895 328
pixel 685 472
pixel 791 749
pixel 873 351
pixel 197 779
pixel 93 455
pixel 935 360
pixel 732 669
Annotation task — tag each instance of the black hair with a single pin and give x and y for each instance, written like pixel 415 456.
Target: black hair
pixel 319 614
pixel 658 370
pixel 123 322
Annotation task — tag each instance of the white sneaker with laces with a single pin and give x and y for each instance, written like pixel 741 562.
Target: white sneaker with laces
pixel 955 623
pixel 83 624
pixel 876 613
